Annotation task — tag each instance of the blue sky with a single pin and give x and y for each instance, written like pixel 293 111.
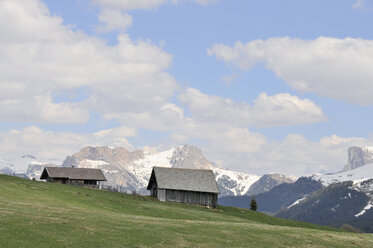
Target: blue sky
pixel 259 86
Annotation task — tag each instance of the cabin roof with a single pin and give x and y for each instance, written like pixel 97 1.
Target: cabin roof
pixel 73 173
pixel 184 179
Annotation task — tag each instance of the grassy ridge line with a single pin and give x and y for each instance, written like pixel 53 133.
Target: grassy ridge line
pixel 35 214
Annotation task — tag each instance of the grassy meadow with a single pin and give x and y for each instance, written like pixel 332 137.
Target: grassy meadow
pixel 37 214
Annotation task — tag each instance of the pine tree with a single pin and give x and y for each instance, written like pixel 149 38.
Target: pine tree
pixel 253 205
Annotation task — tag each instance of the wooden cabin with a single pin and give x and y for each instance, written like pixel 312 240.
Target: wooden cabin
pixel 74 176
pixel 184 185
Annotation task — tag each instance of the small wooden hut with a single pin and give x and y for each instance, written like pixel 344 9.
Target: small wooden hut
pixel 184 185
pixel 74 176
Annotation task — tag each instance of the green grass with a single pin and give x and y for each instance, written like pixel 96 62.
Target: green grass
pixel 36 214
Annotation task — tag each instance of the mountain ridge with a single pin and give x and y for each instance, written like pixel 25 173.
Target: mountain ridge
pixel 130 171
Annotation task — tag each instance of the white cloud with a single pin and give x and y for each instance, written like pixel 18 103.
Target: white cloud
pixel 41 109
pixel 294 155
pixel 331 67
pixel 276 110
pixel 285 109
pixel 129 82
pixel 57 145
pixel 166 118
pixel 113 20
pixel 240 149
pixel 40 57
pixel 300 156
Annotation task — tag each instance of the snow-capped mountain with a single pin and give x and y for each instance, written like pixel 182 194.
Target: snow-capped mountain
pixel 130 171
pixel 334 199
pixel 346 198
pixel 335 205
pixel 16 165
pixel 359 170
pixel 361 176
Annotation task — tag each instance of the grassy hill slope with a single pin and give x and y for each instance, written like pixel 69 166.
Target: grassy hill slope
pixel 36 214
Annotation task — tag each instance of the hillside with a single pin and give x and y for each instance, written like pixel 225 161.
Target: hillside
pixel 337 204
pixel 37 214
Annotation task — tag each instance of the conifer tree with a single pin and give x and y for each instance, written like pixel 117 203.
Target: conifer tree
pixel 253 205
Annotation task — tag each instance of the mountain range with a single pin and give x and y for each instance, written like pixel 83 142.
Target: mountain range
pixel 130 171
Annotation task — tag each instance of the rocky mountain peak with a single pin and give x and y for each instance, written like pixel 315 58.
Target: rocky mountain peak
pixel 267 182
pixel 358 156
pixel 190 157
pixel 103 153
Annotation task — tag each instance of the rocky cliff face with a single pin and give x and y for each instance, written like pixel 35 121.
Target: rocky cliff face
pixel 358 156
pixel 114 156
pixel 189 157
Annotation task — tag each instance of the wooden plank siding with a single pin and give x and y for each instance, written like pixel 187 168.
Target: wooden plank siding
pixel 161 195
pixel 191 197
pixel 85 183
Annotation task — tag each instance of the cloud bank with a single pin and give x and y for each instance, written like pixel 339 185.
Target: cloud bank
pixel 129 82
pixel 330 67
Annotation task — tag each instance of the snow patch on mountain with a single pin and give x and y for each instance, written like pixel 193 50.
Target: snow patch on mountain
pixel 232 182
pixel 93 164
pixel 359 174
pixel 142 168
pixel 367 207
pixel 297 202
pixel 365 186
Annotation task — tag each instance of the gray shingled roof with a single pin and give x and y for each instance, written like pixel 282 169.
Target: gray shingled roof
pixel 186 179
pixel 73 173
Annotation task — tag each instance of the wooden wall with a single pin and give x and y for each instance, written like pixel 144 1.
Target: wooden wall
pixel 161 195
pixel 191 197
pixel 85 183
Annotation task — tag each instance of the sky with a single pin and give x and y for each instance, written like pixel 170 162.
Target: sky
pixel 259 86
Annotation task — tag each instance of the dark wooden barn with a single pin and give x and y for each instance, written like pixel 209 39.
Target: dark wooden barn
pixel 74 176
pixel 184 185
